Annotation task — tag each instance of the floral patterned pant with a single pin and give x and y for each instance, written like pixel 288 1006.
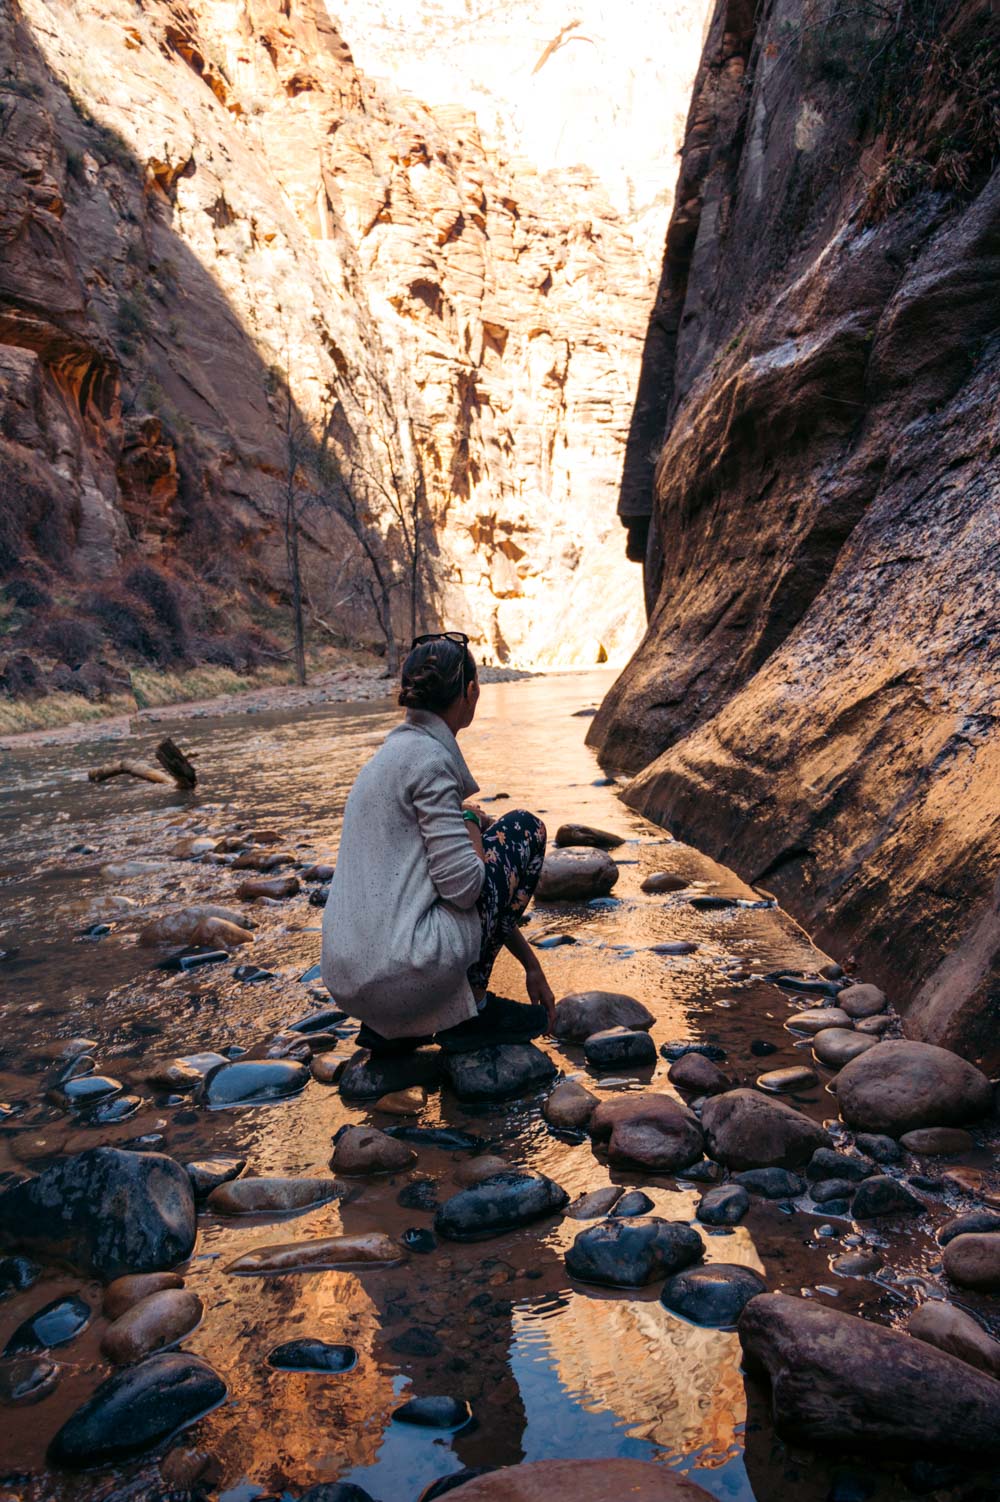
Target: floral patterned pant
pixel 514 848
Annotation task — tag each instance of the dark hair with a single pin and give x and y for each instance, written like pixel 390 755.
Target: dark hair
pixel 435 674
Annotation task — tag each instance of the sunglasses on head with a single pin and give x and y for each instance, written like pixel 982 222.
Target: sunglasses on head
pixel 458 637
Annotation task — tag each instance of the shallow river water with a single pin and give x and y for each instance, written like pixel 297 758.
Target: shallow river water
pixel 550 1367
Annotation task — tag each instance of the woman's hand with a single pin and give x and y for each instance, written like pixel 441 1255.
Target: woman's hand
pixel 539 990
pixel 484 819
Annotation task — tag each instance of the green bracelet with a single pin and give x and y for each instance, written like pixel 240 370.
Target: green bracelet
pixel 470 817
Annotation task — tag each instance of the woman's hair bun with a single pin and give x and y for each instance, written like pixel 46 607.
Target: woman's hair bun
pixel 435 674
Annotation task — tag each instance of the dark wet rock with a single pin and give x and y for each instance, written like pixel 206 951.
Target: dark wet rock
pixel 498 1072
pixel 445 1139
pixel 135 1409
pixel 420 1195
pixel 569 1106
pixel 27 1379
pixel 585 1012
pixel 17 1274
pixel 416 1341
pixel 696 1075
pixel 184 1073
pixel 618 1048
pixel 320 871
pixel 803 984
pixel 856 1264
pixel 207 1174
pixel 368 1077
pixel 954 1331
pixel 634 1202
pixel 827 1164
pixel 250 1082
pixel 417 1239
pixel 832 1192
pixel 499 1204
pixel 155 1322
pixel 903 1085
pixel 787 1081
pixel 553 941
pixel 862 1001
pixel 725 1205
pixel 365 1150
pixel 630 1253
pixel 926 1182
pixel 714 1295
pixel 111 1112
pixel 305 1355
pixel 706 1171
pixel 434 1413
pixel 124 1293
pixel 760 1048
pixel 273 1196
pixel 318 1021
pixel 105 1211
pixel 980 1221
pixel 878 1027
pixel 56 1324
pixel 679 1049
pixel 771 1183
pixel 883 1196
pixel 882 1149
pixel 446 1484
pixel 252 975
pixel 710 902
pixel 674 946
pixel 597 1204
pixel 744 1129
pixel 664 881
pixel 937 1142
pixel 586 834
pixel 836 1046
pixel 818 1019
pixel 973 1260
pixel 844 1382
pixel 568 875
pixel 655 1131
pixel 86 1090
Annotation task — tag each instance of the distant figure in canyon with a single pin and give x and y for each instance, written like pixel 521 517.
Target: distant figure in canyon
pixel 427 889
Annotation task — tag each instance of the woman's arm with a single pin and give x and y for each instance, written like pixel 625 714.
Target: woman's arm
pixel 538 988
pixel 454 845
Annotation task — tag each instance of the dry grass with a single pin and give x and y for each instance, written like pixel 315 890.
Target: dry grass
pixel 154 687
pixel 56 710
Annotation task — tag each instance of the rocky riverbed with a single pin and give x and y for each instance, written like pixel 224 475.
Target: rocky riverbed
pixel 240 1261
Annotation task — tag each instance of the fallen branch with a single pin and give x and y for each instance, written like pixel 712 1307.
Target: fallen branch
pixel 172 760
pixel 175 769
pixel 128 768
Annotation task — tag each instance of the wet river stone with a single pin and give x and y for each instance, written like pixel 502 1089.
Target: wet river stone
pixel 827 1164
pixel 367 1077
pixel 585 1012
pixel 499 1204
pixel 882 1149
pixel 251 1082
pixel 569 1106
pixel 207 1174
pixel 304 1355
pixel 499 1071
pixel 16 1274
pixel 831 1192
pixel 714 1295
pixel 696 1075
pixel 445 1139
pixel 122 1293
pixel 785 1081
pixel 133 1410
pixel 655 1131
pixel 663 881
pixel 629 1253
pixel 862 1001
pixel 836 1046
pixel 88 1089
pixel 586 834
pixel 56 1324
pixel 744 1129
pixel 186 1072
pixel 634 1202
pixel 434 1412
pixel 725 1205
pixel 372 1248
pixel 155 1322
pixel 365 1150
pixel 841 1381
pixel 403 1102
pixel 570 875
pixel 277 1196
pixel 973 1260
pixel 856 1264
pixel 105 1211
pixel 818 1019
pixel 937 1142
pixel 275 887
pixel 956 1332
pixel 883 1196
pixel 973 1221
pixel 596 1204
pixel 618 1048
pixel 580 1481
pixel 904 1085
pixel 27 1379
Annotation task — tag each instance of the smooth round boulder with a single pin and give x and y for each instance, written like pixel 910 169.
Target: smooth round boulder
pixel 883 1196
pixel 973 1260
pixel 587 835
pixel 631 1252
pixel 882 1149
pixel 862 1001
pixel 136 1408
pixel 402 1102
pixel 207 1174
pixel 654 1131
pixel 569 1106
pixel 305 1355
pixel 253 1082
pixel 572 875
pixel 320 1254
pixel 633 1202
pixel 714 1295
pixel 434 1412
pixel 830 1192
pixel 597 1204
pixel 157 1321
pixel 696 1075
pixel 277 1196
pixel 619 1048
pixel 365 1150
pixel 122 1293
pixel 328 1068
pixel 937 1142
pixel 787 1081
pixel 658 882
pixel 580 1481
pixel 725 1205
pixel 905 1085
pixel 817 1020
pixel 856 1264
pixel 956 1332
pixel 499 1204
pixel 498 1071
pixel 836 1046
pixel 972 1220
pixel 585 1012
pixel 744 1129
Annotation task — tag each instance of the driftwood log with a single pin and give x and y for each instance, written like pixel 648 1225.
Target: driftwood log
pixel 174 768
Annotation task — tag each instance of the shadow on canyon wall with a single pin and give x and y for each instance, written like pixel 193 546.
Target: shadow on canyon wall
pixel 814 701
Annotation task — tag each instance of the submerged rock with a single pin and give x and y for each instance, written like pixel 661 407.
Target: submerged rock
pixel 16 1274
pixel 371 1248
pixel 586 834
pixel 882 1149
pixel 499 1204
pixel 56 1324
pixel 956 1332
pixel 618 1048
pixel 725 1205
pixel 904 1085
pixel 744 1129
pixel 568 875
pixel 499 1071
pixel 655 1131
pixel 277 1196
pixel 844 1382
pixel 585 1012
pixel 105 1211
pixel 714 1295
pixel 569 1106
pixel 252 1082
pixel 631 1252
pixel 434 1413
pixel 445 1139
pixel 133 1410
pixel 27 1379
pixel 159 1320
pixel 366 1150
pixel 367 1077
pixel 305 1355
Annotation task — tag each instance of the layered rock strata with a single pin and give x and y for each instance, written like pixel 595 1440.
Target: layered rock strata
pixel 814 701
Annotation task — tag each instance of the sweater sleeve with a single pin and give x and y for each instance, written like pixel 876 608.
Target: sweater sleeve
pixel 455 868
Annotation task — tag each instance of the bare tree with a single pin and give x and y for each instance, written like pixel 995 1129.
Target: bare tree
pixel 298 445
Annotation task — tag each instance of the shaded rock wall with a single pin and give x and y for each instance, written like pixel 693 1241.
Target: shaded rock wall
pixel 814 701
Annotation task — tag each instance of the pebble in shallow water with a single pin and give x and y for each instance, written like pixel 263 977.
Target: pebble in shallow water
pixel 629 1253
pixel 27 1379
pixel 435 1413
pixel 253 1082
pixel 786 1081
pixel 715 1295
pixel 56 1324
pixel 724 1206
pixel 135 1409
pixel 569 1106
pixel 155 1322
pixel 366 1150
pixel 617 1048
pixel 305 1355
pixel 207 1174
pixel 499 1204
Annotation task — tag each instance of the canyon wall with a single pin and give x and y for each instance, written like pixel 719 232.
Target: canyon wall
pixel 220 242
pixel 814 701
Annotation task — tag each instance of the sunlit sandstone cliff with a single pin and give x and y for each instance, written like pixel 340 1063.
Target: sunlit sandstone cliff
pixel 199 201
pixel 815 699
